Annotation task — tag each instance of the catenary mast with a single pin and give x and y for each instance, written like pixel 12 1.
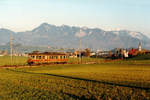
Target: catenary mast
pixel 11 49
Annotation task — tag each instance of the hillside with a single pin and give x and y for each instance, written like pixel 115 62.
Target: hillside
pixel 69 36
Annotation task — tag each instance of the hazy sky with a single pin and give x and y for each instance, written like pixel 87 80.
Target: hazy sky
pixel 21 15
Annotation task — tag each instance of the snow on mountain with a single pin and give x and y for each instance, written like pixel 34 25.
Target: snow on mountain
pixel 133 34
pixel 80 34
pixel 137 35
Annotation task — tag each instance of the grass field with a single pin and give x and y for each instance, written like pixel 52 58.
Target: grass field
pixel 16 60
pixel 85 60
pixel 117 80
pixel 6 60
pixel 99 81
pixel 134 75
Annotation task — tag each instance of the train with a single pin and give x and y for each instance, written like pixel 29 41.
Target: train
pixel 36 58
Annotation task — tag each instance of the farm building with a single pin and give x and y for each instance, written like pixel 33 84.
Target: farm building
pixel 80 53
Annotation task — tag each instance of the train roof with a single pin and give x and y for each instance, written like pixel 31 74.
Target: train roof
pixel 47 53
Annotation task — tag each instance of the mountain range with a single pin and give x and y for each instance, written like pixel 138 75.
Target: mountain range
pixel 72 37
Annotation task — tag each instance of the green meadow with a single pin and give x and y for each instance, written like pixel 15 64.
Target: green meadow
pixel 108 80
pixel 16 60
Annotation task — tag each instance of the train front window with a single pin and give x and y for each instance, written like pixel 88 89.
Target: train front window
pixel 32 57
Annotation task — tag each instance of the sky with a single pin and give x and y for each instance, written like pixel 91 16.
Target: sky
pixel 23 15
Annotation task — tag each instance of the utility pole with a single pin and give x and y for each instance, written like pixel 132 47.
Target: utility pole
pixel 80 50
pixel 11 49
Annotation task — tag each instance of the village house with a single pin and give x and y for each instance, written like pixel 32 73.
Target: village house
pixel 3 53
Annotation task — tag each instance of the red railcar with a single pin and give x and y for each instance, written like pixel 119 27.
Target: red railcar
pixel 47 58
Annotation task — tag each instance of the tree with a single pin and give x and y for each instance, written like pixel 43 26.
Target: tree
pixel 87 52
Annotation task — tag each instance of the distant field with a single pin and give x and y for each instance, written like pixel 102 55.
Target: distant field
pixel 128 62
pixel 99 81
pixel 136 60
pixel 85 60
pixel 6 60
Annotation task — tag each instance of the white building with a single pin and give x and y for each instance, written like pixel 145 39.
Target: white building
pixel 140 47
pixel 125 53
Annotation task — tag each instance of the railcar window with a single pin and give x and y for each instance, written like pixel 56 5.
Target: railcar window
pixel 50 57
pixel 56 57
pixel 39 57
pixel 35 57
pixel 43 57
pixel 60 57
